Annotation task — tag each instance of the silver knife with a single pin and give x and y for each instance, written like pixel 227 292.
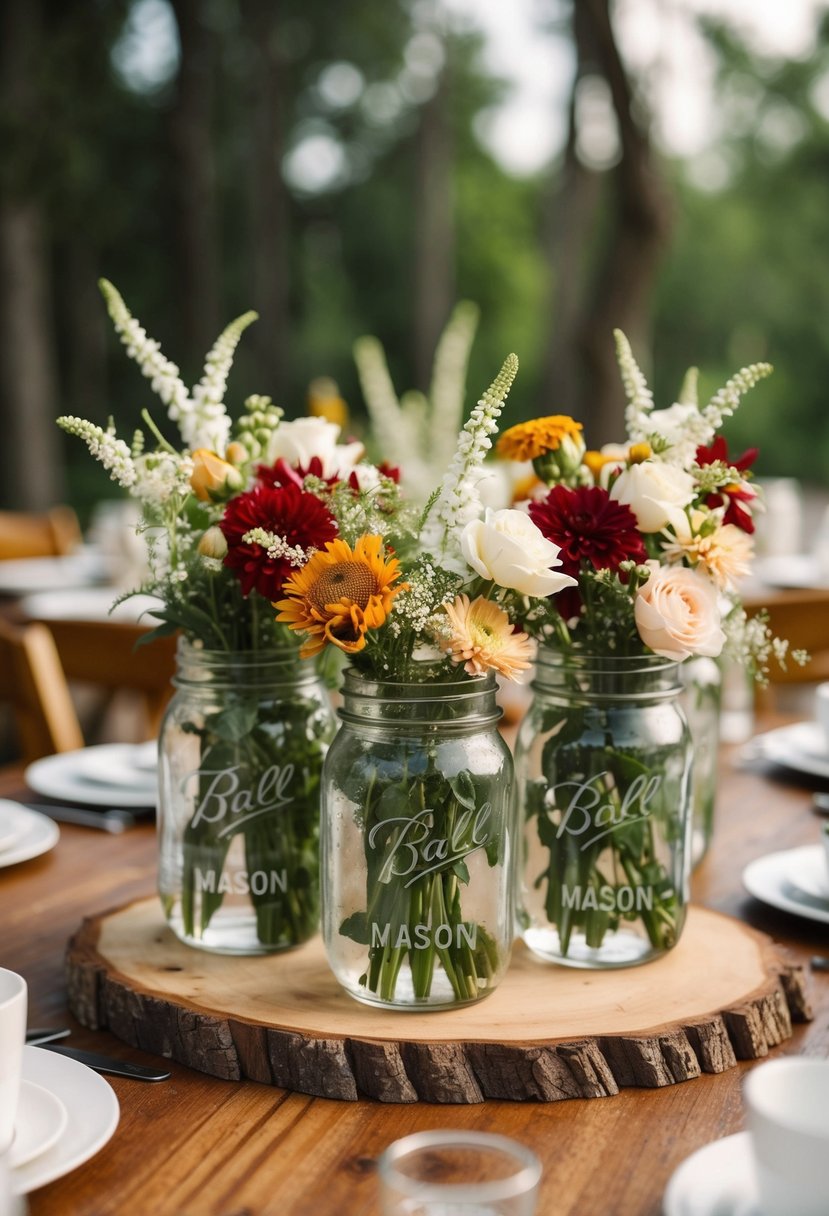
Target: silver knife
pixel 115 821
pixel 117 1068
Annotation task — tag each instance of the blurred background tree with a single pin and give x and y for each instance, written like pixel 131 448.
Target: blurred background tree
pixel 334 167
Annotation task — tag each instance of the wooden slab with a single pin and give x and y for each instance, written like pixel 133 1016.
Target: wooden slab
pixel 547 1033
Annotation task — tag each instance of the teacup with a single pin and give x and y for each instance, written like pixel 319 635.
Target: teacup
pixel 13 1003
pixel 787 1105
pixel 822 711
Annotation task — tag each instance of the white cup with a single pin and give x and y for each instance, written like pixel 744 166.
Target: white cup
pixel 13 1003
pixel 787 1103
pixel 822 711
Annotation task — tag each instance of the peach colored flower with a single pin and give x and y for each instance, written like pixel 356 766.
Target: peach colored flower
pixel 482 638
pixel 677 614
pixel 724 554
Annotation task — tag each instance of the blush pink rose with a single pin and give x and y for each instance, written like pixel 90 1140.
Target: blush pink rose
pixel 677 614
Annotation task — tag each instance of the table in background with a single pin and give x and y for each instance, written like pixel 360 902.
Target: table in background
pixel 195 1146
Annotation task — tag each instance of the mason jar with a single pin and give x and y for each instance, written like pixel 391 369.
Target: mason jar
pixel 417 909
pixel 603 784
pixel 701 700
pixel 240 757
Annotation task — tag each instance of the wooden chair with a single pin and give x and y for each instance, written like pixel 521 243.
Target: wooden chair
pixel 32 682
pixel 104 654
pixel 51 534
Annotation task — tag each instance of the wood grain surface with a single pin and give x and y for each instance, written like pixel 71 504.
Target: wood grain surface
pixel 546 1034
pixel 196 1146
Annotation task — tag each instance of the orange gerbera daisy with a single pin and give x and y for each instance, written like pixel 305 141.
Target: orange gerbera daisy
pixel 529 440
pixel 339 594
pixel 482 637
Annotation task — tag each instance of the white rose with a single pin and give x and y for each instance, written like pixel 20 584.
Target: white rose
pixel 507 547
pixel 655 492
pixel 677 614
pixel 297 443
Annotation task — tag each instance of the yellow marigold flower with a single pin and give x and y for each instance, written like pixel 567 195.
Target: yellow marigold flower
pixel 595 462
pixel 339 594
pixel 482 638
pixel 529 440
pixel 213 479
pixel 324 401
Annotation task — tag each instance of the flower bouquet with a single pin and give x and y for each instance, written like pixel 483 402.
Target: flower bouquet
pixel 227 520
pixel 417 786
pixel 655 534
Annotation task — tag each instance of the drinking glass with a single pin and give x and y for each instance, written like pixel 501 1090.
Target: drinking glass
pixel 458 1173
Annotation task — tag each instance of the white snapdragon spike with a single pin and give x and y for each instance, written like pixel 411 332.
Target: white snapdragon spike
pixel 459 502
pixel 639 396
pixel 677 432
pixel 163 375
pixel 723 404
pixel 395 428
pixel 448 388
pixel 207 424
pixel 110 451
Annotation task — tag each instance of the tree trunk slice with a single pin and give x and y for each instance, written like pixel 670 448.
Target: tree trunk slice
pixel 547 1033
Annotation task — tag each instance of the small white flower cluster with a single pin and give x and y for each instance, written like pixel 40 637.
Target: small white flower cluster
pixel 163 375
pixel 277 546
pixel 428 589
pixel 112 453
pixel 161 476
pixel 723 404
pixel 459 501
pixel 751 643
pixel 640 397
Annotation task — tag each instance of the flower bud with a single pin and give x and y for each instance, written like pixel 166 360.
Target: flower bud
pixel 639 452
pixel 213 479
pixel 236 454
pixel 213 543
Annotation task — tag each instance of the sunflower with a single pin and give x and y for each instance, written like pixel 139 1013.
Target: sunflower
pixel 529 440
pixel 339 594
pixel 481 636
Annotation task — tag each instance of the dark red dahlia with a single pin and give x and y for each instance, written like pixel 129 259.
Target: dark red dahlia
pixel 589 527
pixel 298 518
pixel 731 497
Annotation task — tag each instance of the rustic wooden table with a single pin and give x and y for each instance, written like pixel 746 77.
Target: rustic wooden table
pixel 193 1146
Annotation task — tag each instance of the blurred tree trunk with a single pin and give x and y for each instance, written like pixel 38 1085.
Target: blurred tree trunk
pixel 619 291
pixel 32 469
pixel 269 215
pixel 194 183
pixel 434 236
pixel 85 322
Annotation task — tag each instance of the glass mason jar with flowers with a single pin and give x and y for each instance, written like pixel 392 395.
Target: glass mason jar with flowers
pixel 227 519
pixel 417 824
pixel 648 535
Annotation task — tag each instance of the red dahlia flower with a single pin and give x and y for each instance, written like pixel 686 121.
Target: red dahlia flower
pixel 589 527
pixel 284 474
pixel 287 512
pixel 733 496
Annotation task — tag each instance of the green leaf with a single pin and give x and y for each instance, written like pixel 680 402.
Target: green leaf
pixel 356 927
pixel 393 804
pixel 235 723
pixel 463 789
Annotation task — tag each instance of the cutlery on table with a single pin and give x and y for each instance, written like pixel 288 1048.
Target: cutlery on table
pixel 93 1059
pixel 114 821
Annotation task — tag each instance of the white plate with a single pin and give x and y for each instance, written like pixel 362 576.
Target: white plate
pixel 25 576
pixel 801 747
pixel 121 764
pixel 790 880
pixel 40 1122
pixel 38 834
pixel 717 1180
pixel 791 571
pixel 91 1106
pixel 10 825
pixel 89 604
pixel 63 778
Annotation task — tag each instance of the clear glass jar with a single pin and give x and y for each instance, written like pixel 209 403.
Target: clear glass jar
pixel 702 683
pixel 602 768
pixel 417 905
pixel 240 757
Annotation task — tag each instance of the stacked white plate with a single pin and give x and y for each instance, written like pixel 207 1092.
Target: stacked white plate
pixel 24 834
pixel 65 1114
pixel 109 775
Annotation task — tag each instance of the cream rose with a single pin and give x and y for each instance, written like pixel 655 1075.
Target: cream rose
pixel 507 547
pixel 677 614
pixel 655 492
pixel 297 442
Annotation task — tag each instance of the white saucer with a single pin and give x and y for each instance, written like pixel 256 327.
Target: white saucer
pixel 717 1180
pixel 90 604
pixel 92 1110
pixel 11 826
pixel 791 880
pixel 24 576
pixel 801 747
pixel 40 1122
pixel 121 764
pixel 37 834
pixel 64 777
